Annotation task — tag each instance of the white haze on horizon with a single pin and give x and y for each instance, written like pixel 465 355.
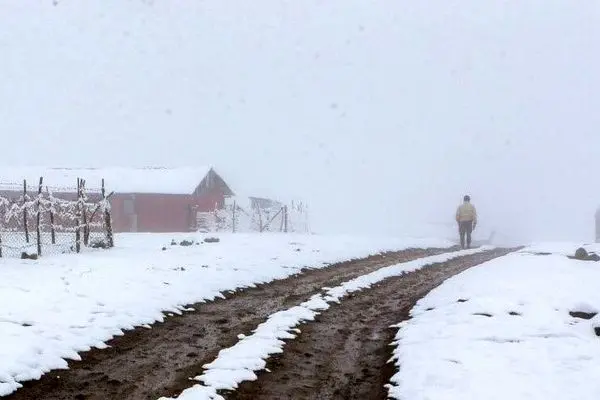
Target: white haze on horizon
pixel 380 114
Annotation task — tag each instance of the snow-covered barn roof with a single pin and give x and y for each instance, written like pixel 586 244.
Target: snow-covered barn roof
pixel 182 180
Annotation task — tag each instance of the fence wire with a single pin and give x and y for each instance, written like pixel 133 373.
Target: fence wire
pixel 45 223
pixel 239 217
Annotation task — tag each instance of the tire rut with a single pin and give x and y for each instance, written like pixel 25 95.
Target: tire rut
pixel 343 354
pixel 150 363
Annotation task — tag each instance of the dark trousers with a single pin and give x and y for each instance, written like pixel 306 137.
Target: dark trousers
pixel 465 228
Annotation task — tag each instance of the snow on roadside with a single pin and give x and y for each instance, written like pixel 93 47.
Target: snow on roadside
pixel 239 363
pixel 55 307
pixel 564 248
pixel 503 330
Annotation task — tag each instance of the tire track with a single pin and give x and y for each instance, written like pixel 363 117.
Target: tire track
pixel 150 363
pixel 344 353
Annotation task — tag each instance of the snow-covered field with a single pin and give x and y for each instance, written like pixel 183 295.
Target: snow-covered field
pixel 503 330
pixel 55 307
pixel 239 362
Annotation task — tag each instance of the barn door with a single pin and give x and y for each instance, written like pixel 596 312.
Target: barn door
pixel 130 214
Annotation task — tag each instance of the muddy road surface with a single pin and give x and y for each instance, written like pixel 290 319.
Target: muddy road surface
pixel 343 354
pixel 150 363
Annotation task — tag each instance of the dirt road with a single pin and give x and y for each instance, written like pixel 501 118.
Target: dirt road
pixel 150 363
pixel 343 354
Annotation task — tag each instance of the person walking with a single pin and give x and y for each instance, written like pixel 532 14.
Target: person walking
pixel 466 217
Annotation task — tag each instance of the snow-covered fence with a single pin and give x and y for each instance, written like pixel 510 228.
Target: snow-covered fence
pixel 249 215
pixel 42 219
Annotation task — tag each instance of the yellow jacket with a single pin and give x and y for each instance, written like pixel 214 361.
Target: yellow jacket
pixel 466 212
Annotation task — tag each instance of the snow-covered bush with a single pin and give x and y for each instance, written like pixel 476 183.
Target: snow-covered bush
pixel 246 214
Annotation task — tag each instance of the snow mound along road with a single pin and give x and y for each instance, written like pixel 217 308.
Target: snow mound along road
pixel 520 327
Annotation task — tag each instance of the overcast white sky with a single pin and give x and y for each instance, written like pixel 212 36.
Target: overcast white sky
pixel 381 114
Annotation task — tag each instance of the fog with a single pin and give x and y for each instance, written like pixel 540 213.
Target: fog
pixel 380 114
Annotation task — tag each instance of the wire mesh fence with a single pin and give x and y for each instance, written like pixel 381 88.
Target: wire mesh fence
pixel 38 220
pixel 247 215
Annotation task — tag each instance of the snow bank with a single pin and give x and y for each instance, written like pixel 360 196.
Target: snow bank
pixel 240 362
pixel 564 248
pixel 55 307
pixel 503 330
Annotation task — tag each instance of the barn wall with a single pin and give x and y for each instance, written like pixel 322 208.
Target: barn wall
pixel 120 221
pixel 160 212
pixel 149 212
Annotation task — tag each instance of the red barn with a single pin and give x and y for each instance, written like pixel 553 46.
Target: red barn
pixel 144 199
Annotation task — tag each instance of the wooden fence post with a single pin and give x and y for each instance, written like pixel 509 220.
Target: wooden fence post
pixel 52 231
pixel 260 222
pixel 107 219
pixel 25 211
pixel 233 216
pixel 78 218
pixel 37 217
pixel 86 226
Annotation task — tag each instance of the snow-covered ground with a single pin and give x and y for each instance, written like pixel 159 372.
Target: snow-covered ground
pixel 55 307
pixel 564 248
pixel 503 330
pixel 239 362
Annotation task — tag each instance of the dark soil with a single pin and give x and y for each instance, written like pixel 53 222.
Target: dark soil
pixel 344 353
pixel 150 363
pixel 582 314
